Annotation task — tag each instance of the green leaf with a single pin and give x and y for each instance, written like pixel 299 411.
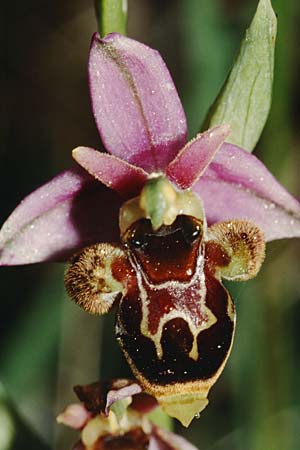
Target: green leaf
pixel 7 426
pixel 15 433
pixel 111 15
pixel 245 98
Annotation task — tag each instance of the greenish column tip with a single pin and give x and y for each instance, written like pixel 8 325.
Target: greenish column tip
pixel 245 98
pixel 111 16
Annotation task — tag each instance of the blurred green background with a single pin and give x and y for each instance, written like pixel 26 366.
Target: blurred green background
pixel 47 343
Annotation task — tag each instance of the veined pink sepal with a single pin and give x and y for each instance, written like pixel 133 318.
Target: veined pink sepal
pixel 58 218
pixel 165 440
pixel 236 185
pixel 135 104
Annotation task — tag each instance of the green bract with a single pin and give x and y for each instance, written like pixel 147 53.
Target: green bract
pixel 245 98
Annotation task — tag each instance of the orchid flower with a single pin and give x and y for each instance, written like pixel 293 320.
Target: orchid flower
pixel 189 214
pixel 115 414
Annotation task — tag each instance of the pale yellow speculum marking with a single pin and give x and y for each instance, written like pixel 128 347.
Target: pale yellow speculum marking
pixel 111 287
pixel 174 314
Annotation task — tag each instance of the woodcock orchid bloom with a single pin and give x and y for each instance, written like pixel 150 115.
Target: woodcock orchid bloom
pixel 189 215
pixel 115 415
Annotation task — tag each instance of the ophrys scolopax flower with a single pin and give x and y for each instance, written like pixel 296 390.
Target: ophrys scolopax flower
pixel 175 319
pixel 115 415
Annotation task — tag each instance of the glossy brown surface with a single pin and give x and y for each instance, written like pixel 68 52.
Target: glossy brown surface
pixel 193 310
pixel 215 256
pixel 135 439
pixel 169 253
pixel 176 365
pixel 95 396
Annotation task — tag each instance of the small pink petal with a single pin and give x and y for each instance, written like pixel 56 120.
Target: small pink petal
pixel 119 394
pixel 67 213
pixel 74 416
pixel 237 185
pixel 115 173
pixel 194 158
pixel 165 440
pixel 98 397
pixel 136 107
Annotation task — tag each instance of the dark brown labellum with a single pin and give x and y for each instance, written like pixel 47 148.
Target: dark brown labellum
pixel 176 326
pixel 175 320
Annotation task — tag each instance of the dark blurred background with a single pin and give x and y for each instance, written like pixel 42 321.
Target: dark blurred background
pixel 47 343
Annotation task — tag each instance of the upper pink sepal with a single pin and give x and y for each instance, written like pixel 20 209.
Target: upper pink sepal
pixel 236 185
pixel 58 219
pixel 115 173
pixel 135 104
pixel 194 158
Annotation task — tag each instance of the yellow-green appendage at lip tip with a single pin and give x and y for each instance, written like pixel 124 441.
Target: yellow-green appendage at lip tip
pixel 184 407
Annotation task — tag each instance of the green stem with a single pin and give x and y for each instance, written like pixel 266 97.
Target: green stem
pixel 111 16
